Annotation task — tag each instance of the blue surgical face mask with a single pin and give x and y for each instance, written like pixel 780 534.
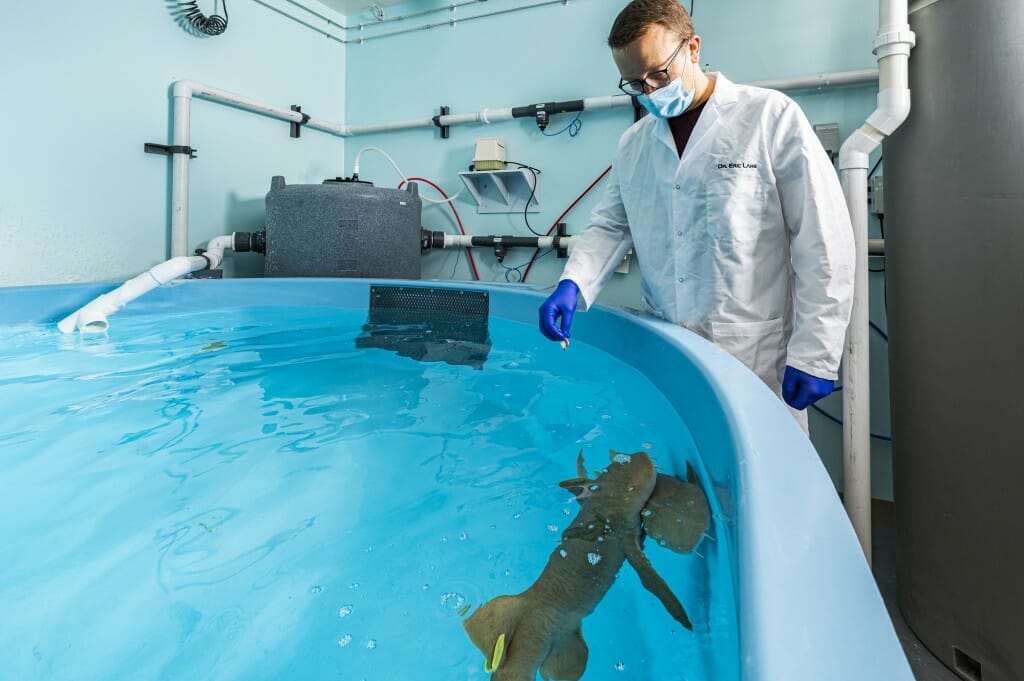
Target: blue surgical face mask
pixel 669 101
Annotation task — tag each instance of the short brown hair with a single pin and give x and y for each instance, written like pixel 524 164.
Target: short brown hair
pixel 634 20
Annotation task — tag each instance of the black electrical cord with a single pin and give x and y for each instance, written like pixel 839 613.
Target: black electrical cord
pixel 209 25
pixel 533 192
pixel 877 163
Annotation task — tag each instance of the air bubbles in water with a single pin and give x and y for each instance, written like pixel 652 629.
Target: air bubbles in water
pixel 344 640
pixel 345 611
pixel 646 512
pixel 315 589
pixel 646 445
pixel 517 516
pixel 354 585
pixel 619 667
pixel 371 643
pixel 593 558
pixel 463 536
pixel 453 601
pixel 622 458
pixel 552 528
pixel 562 553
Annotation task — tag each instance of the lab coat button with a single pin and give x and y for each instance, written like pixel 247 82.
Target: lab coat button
pixel 677 186
pixel 680 280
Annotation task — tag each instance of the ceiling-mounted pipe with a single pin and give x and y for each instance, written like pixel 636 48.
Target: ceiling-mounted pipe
pixel 892 47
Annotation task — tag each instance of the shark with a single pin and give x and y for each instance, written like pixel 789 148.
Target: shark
pixel 677 514
pixel 540 628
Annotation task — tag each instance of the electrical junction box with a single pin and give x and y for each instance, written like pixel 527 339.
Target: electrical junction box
pixel 828 135
pixel 489 154
pixel 342 229
pixel 876 194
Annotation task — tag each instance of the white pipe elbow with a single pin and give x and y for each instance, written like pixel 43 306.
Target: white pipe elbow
pixel 855 150
pixel 893 109
pixel 184 88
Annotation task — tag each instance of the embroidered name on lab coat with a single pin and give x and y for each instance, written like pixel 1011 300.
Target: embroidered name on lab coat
pixel 733 166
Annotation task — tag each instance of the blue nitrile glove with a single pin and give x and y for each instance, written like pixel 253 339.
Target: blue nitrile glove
pixel 801 390
pixel 561 303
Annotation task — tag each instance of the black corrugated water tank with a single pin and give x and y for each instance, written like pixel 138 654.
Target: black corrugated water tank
pixel 342 229
pixel 954 181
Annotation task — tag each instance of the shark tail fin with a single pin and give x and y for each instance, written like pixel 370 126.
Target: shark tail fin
pixel 492 626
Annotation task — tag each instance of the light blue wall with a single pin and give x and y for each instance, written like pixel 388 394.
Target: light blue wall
pixel 85 84
pixel 558 53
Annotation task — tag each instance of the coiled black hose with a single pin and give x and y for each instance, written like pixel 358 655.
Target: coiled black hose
pixel 212 25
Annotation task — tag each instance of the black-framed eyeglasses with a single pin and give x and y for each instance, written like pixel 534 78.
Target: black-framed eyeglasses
pixel 654 79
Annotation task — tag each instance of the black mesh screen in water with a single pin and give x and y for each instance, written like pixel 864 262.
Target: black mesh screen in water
pixel 429 324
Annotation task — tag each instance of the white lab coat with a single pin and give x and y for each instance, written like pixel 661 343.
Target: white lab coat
pixel 745 240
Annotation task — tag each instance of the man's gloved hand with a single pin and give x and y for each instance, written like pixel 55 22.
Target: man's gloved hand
pixel 801 390
pixel 561 303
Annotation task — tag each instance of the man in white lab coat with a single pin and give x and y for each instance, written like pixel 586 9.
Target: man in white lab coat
pixel 732 207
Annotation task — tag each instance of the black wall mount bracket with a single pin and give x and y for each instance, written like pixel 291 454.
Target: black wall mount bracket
pixel 169 149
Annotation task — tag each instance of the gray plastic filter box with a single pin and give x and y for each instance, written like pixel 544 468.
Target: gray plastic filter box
pixel 342 229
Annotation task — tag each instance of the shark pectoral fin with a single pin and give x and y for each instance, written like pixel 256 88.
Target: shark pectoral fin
pixel 567 660
pixel 691 474
pixel 491 628
pixel 653 582
pixel 580 487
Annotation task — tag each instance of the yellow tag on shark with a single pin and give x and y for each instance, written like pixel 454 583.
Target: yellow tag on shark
pixel 490 666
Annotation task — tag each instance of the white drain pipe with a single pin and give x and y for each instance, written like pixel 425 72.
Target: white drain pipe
pixel 92 317
pixel 892 47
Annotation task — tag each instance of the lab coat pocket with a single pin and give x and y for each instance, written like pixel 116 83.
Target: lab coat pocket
pixel 735 203
pixel 759 345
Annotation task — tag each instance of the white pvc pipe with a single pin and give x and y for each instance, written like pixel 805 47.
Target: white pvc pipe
pixel 822 81
pixel 179 176
pixel 892 47
pixel 92 317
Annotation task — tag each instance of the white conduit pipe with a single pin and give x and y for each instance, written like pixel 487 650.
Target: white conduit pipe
pixel 92 317
pixel 892 47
